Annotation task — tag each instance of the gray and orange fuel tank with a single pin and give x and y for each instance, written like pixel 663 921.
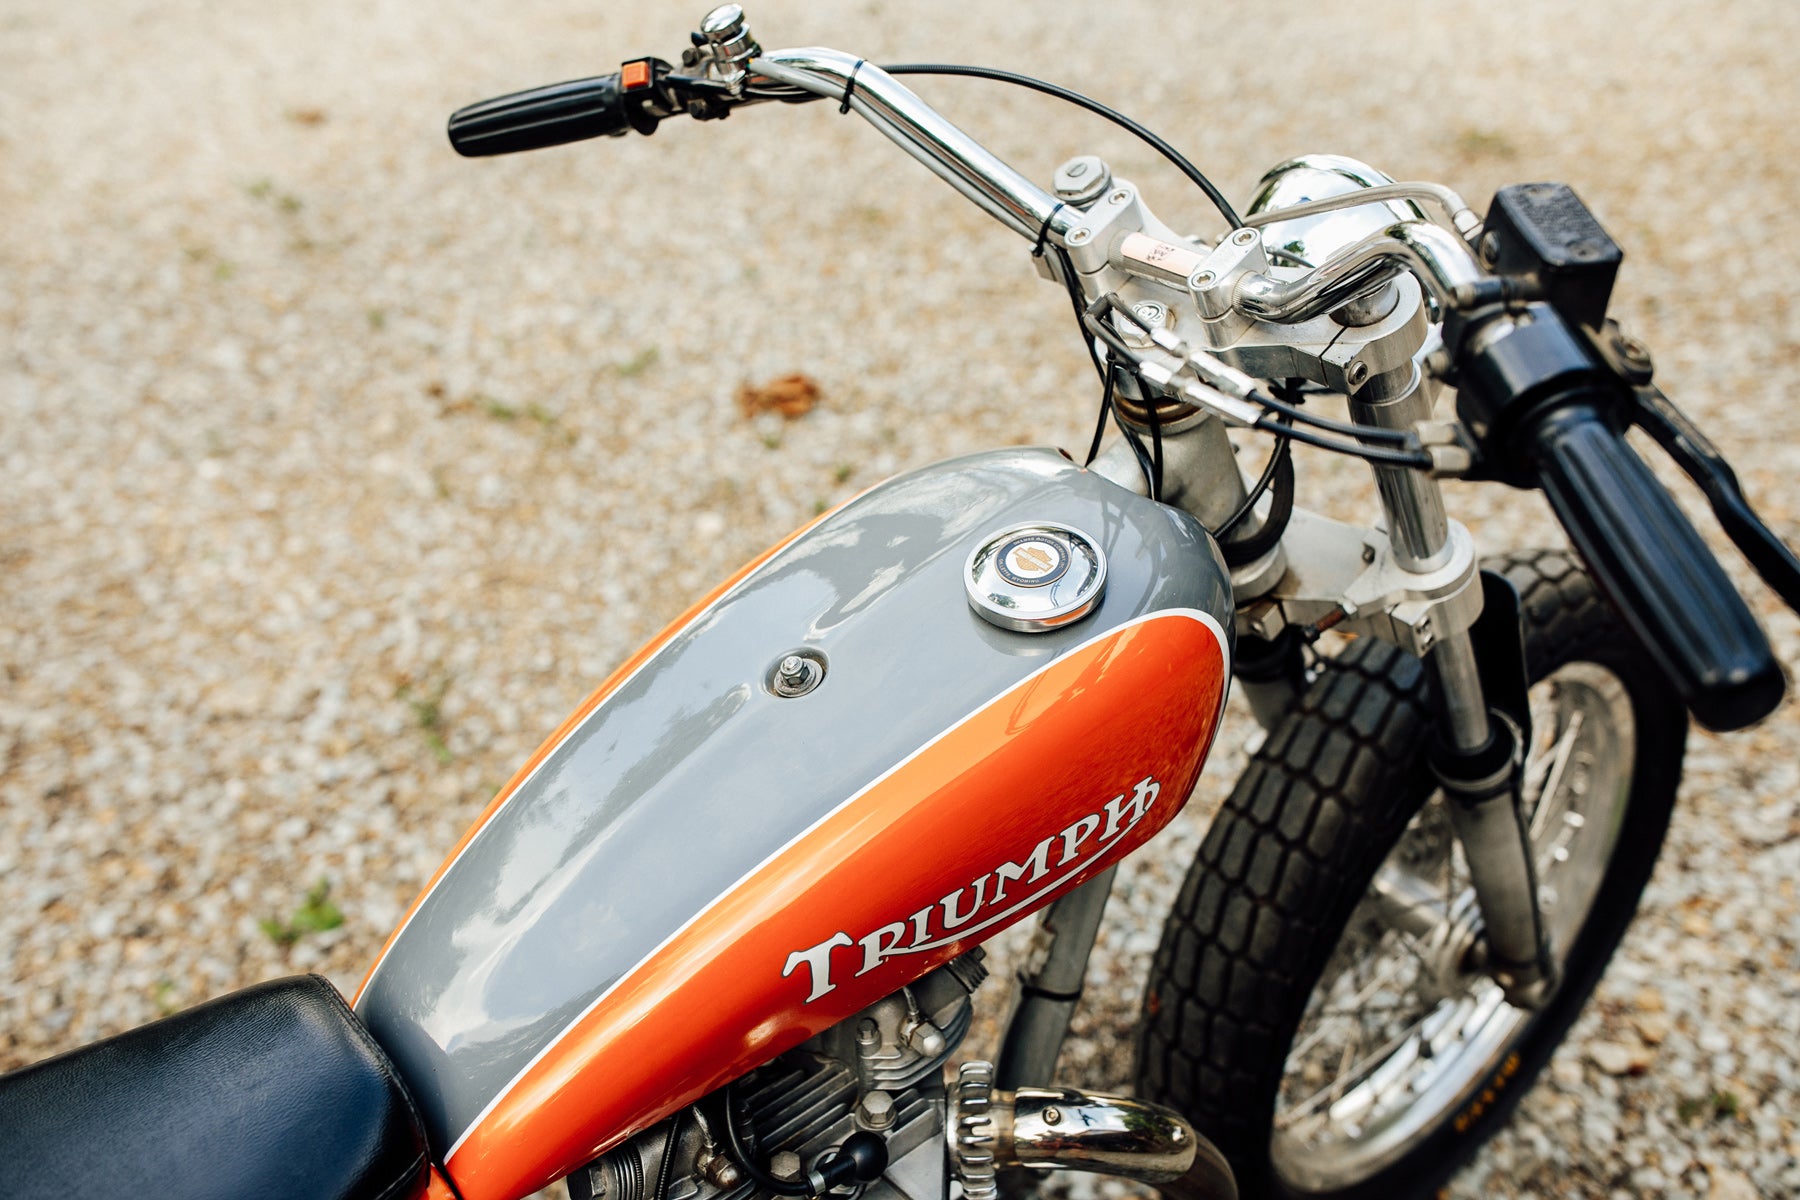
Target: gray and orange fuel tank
pixel 695 873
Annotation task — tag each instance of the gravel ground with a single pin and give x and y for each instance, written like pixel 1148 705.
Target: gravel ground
pixel 337 469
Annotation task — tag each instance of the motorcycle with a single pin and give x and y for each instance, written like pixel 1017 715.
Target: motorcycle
pixel 655 983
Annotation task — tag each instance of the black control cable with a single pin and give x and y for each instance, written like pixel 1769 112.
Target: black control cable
pixel 1110 303
pixel 761 1178
pixel 1403 450
pixel 994 74
pixel 1284 450
pixel 1124 122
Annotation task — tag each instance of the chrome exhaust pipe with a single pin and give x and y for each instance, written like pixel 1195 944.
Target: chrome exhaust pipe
pixel 1068 1130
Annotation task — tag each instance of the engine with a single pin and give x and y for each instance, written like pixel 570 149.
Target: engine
pixel 880 1071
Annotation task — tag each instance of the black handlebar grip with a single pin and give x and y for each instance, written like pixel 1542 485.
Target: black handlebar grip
pixel 1648 559
pixel 546 116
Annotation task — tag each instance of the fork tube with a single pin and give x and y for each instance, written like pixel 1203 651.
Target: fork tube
pixel 1478 760
pixel 1050 985
pixel 1412 500
pixel 1464 718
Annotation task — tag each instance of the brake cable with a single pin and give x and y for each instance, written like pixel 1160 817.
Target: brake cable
pixel 994 74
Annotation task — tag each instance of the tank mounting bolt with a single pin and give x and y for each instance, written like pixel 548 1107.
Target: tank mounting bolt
pixel 1052 1116
pixel 796 674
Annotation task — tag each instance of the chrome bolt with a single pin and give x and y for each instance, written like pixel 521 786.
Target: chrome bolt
pixel 723 22
pixel 1490 249
pixel 796 675
pixel 1052 1116
pixel 927 1040
pixel 876 1110
pixel 1080 237
pixel 1243 237
pixel 1202 279
pixel 1358 373
pixel 1150 313
pixel 1082 180
pixel 720 1171
pixel 1119 197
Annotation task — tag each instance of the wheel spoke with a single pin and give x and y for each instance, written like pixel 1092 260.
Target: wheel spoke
pixel 1398 1029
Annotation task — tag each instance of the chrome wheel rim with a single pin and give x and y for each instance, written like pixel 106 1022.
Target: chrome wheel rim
pixel 1402 1031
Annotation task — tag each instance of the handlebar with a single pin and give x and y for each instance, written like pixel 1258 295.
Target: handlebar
pixel 1545 410
pixel 552 115
pixel 1648 559
pixel 1551 416
pixel 644 92
pixel 952 155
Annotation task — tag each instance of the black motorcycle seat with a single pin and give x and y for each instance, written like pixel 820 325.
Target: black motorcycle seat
pixel 276 1092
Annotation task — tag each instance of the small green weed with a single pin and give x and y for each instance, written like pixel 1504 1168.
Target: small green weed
pixel 638 363
pixel 428 712
pixel 1716 1106
pixel 316 914
pixel 1485 143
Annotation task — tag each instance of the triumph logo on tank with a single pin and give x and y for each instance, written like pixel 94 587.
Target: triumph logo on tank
pixel 983 902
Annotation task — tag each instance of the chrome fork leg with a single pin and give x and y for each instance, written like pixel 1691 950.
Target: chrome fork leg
pixel 1480 762
pixel 1479 757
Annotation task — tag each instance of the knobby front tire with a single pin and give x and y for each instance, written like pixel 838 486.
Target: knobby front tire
pixel 1330 1047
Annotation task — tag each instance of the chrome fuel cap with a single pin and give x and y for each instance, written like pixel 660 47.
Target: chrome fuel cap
pixel 1035 577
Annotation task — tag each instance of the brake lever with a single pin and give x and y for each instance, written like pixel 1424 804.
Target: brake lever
pixel 1681 440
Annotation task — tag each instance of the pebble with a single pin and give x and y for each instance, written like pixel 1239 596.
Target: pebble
pixel 1731 1185
pixel 1616 1058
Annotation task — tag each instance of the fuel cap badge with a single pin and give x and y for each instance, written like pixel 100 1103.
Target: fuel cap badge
pixel 1035 577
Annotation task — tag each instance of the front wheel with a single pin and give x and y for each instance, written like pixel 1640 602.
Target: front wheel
pixel 1316 1005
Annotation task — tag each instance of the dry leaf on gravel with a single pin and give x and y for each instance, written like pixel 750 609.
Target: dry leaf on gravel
pixel 793 396
pixel 1617 1058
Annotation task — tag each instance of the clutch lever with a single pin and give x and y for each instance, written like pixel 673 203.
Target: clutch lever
pixel 1681 440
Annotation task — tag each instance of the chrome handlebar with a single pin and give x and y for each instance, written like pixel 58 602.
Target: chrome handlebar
pixel 955 157
pixel 1441 259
